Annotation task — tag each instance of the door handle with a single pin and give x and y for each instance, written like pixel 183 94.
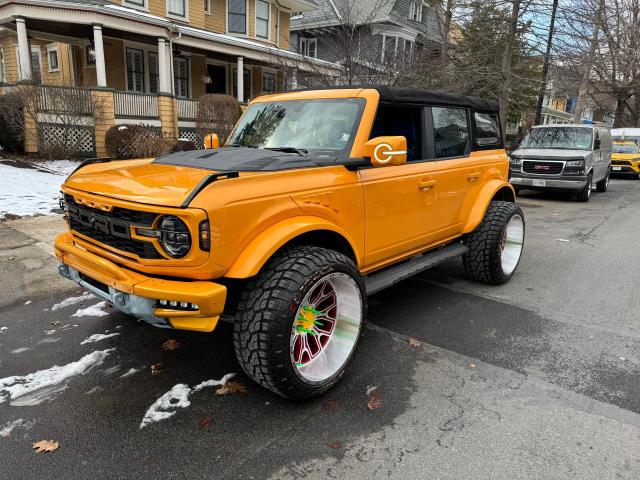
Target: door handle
pixel 472 177
pixel 428 185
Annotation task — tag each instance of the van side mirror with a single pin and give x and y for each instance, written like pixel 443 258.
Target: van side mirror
pixel 211 141
pixel 384 151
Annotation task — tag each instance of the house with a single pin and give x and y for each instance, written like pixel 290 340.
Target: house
pixel 389 33
pixel 153 57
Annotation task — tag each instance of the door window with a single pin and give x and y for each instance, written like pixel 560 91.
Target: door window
pixel 450 132
pixel 401 121
pixel 487 132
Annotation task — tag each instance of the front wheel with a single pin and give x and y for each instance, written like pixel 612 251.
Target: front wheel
pixel 585 194
pixel 495 247
pixel 603 185
pixel 299 323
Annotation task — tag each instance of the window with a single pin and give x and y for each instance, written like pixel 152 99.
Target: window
pixel 36 67
pixel 154 74
pixel 207 7
pixel 415 11
pixel 136 3
pixel 450 132
pixel 309 47
pixel 262 19
pixel 268 82
pixel 181 76
pixel 487 129
pixel 237 17
pixel 404 121
pixel 90 56
pixel 52 57
pixel 246 84
pixel 389 45
pixel 277 23
pixel 135 70
pixel 177 8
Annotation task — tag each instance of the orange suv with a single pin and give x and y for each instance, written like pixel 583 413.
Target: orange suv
pixel 318 199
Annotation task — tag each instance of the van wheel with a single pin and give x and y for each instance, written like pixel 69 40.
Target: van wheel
pixel 585 194
pixel 299 322
pixel 603 184
pixel 495 247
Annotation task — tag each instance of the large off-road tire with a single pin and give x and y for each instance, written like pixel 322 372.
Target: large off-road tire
pixel 585 194
pixel 495 247
pixel 603 185
pixel 298 324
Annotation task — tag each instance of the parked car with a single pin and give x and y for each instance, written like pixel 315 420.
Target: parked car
pixel 318 199
pixel 627 134
pixel 567 157
pixel 625 159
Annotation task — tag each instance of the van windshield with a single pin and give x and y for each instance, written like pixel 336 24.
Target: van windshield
pixel 565 138
pixel 625 148
pixel 319 128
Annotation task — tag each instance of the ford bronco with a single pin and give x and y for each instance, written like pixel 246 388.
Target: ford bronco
pixel 318 199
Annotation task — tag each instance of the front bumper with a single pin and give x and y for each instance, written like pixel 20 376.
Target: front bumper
pixel 137 294
pixel 624 169
pixel 565 183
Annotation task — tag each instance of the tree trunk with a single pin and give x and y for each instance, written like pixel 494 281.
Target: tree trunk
pixel 618 122
pixel 446 28
pixel 586 75
pixel 507 56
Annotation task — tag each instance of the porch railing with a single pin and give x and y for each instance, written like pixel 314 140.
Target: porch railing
pixel 139 105
pixel 65 100
pixel 187 109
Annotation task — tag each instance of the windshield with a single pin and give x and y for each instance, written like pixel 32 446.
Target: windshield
pixel 565 138
pixel 625 148
pixel 323 128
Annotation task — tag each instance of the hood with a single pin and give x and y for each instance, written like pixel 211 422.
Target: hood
pixel 550 153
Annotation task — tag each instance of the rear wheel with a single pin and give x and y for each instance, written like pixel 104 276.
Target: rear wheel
pixel 495 247
pixel 603 184
pixel 585 194
pixel 299 323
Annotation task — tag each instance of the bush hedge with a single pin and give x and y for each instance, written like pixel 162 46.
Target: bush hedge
pixel 136 141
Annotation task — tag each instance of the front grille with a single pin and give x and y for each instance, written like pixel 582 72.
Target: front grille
pixel 542 167
pixel 621 162
pixel 112 228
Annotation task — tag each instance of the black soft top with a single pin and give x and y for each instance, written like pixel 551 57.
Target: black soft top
pixel 427 97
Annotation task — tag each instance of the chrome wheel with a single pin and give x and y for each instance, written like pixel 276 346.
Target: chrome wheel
pixel 511 244
pixel 589 186
pixel 326 327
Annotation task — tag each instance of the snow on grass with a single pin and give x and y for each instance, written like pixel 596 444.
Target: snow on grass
pixel 96 337
pixel 128 373
pixel 92 311
pixel 26 191
pixel 178 397
pixel 51 380
pixel 20 350
pixel 71 301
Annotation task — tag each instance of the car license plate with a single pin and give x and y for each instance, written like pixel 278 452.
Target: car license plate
pixel 616 168
pixel 539 183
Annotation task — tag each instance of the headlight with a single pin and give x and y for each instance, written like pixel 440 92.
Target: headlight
pixel 575 163
pixel 174 236
pixel 516 161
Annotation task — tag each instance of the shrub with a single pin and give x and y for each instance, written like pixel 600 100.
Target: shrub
pixel 135 141
pixel 217 114
pixel 11 123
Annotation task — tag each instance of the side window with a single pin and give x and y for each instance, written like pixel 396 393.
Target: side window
pixel 450 132
pixel 402 121
pixel 487 132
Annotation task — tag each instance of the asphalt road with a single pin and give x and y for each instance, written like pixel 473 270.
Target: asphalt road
pixel 535 379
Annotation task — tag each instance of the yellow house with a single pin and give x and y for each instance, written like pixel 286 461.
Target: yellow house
pixel 154 56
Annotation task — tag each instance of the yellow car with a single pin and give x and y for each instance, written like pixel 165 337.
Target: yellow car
pixel 626 158
pixel 318 199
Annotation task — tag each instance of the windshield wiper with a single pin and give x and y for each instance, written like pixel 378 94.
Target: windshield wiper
pixel 300 151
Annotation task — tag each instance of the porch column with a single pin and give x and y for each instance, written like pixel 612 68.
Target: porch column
pixel 240 80
pixel 163 73
pixel 101 71
pixel 170 87
pixel 25 72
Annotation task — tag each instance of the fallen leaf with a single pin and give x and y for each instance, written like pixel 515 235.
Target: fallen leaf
pixel 171 345
pixel 472 365
pixel 335 445
pixel 231 387
pixel 156 368
pixel 205 423
pixel 46 446
pixel 414 342
pixel 375 401
pixel 56 323
pixel 331 406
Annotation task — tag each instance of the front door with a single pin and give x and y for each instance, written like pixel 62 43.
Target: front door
pixel 400 207
pixel 218 76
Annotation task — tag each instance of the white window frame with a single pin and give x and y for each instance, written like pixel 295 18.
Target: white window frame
pixel 268 2
pixel 50 49
pixel 133 4
pixel 184 18
pixel 207 7
pixel 304 46
pixel 246 20
pixel 270 71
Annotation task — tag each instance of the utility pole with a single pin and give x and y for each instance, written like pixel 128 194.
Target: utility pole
pixel 545 65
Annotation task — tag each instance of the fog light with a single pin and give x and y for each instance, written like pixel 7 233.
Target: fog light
pixel 195 306
pixel 173 303
pixel 163 302
pixel 184 304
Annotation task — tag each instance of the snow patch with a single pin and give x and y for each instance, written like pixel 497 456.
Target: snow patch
pixel 34 388
pixel 96 337
pixel 50 340
pixel 178 397
pixel 27 302
pixel 9 427
pixel 92 311
pixel 70 301
pixel 2 329
pixel 97 389
pixel 20 350
pixel 128 373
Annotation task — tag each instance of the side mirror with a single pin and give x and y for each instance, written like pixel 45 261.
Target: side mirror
pixel 211 141
pixel 384 151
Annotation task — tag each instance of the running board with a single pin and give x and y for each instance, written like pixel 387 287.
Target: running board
pixel 379 281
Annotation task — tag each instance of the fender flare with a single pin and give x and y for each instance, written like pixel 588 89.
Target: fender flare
pixel 483 199
pixel 270 240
